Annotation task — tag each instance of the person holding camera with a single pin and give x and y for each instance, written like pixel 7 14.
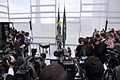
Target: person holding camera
pixel 101 48
pixel 83 49
pixel 6 49
pixel 79 48
pixel 10 62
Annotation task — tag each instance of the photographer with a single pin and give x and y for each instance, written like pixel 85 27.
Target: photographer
pixel 7 48
pixel 10 63
pixel 83 49
pixel 93 68
pixel 43 55
pixel 101 48
pixel 79 47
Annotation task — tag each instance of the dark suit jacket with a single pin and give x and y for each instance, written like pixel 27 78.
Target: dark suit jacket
pixel 101 51
pixel 17 47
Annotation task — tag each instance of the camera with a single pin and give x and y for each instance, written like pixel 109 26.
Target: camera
pixel 58 53
pixel 71 66
pixel 112 63
pixel 32 67
pixel 63 52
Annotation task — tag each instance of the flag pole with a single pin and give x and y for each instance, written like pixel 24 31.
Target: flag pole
pixel 64 3
pixel 64 26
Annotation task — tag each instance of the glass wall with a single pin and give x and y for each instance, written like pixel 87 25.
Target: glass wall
pixel 82 17
pixel 20 14
pixel 3 11
pixel 43 20
pixel 93 15
pixel 114 14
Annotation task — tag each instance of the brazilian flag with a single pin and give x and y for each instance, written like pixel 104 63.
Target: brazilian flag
pixel 64 28
pixel 58 23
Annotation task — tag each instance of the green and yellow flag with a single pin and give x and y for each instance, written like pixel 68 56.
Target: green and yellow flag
pixel 64 28
pixel 58 23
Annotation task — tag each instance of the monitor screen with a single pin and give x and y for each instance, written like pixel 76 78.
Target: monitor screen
pixel 54 61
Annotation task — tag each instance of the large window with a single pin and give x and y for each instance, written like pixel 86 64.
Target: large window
pixel 20 14
pixel 3 11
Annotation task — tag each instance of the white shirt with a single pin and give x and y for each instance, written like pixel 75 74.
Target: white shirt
pixel 10 71
pixel 102 40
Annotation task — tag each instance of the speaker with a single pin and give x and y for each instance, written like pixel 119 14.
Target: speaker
pixel 30 25
pixel 106 25
pixel 4 31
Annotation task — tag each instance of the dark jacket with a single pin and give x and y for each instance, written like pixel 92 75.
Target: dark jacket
pixel 101 51
pixel 10 77
pixel 17 47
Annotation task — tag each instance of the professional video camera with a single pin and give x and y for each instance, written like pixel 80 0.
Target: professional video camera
pixel 111 64
pixel 112 55
pixel 63 52
pixel 4 65
pixel 31 67
pixel 64 56
pixel 71 66
pixel 7 57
